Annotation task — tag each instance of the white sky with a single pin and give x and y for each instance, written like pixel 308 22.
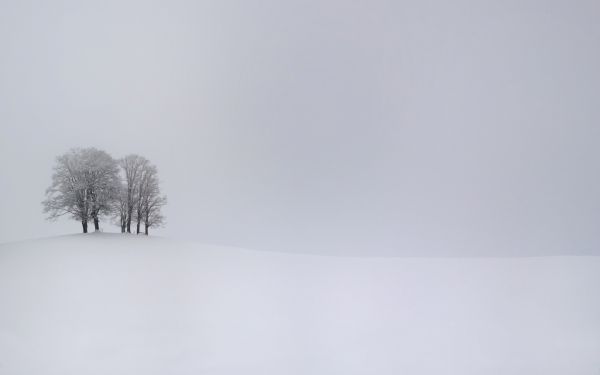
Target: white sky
pixel 346 127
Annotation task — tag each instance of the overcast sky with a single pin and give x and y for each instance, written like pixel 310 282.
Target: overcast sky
pixel 343 127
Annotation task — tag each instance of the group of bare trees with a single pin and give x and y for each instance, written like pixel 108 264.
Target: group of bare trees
pixel 139 197
pixel 88 184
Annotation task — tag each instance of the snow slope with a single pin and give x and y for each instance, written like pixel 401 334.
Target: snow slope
pixel 113 304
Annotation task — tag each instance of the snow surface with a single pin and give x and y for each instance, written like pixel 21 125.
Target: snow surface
pixel 114 304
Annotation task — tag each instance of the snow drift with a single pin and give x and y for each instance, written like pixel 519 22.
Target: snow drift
pixel 113 304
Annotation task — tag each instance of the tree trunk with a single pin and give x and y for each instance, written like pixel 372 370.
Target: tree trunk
pixel 138 227
pixel 123 229
pixel 96 224
pixel 129 212
pixel 146 221
pixel 84 225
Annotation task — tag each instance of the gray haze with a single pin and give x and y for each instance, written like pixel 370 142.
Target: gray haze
pixel 345 127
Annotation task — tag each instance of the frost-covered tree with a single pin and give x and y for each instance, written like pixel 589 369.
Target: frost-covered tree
pixel 83 186
pixel 133 166
pixel 67 195
pixel 102 173
pixel 87 184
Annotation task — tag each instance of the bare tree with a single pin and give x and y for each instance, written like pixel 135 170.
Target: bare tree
pixel 151 200
pixel 82 186
pixel 146 173
pixel 153 216
pixel 132 166
pixel 120 207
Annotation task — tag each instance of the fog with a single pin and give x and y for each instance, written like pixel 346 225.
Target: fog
pixel 334 127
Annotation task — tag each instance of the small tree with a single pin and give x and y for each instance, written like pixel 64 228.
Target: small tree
pixel 151 201
pixel 132 166
pixel 120 207
pixel 153 216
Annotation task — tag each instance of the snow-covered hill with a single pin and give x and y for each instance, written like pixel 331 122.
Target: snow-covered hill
pixel 113 304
